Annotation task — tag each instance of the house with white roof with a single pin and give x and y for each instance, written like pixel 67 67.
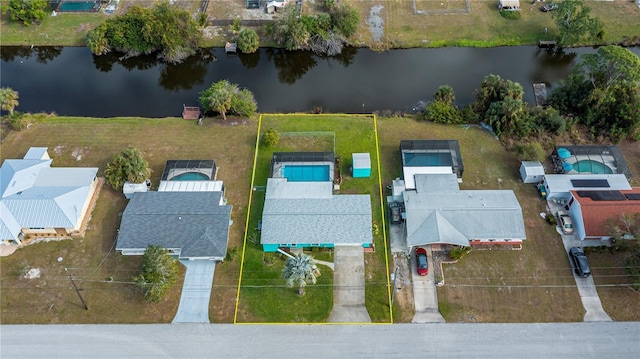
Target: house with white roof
pixel 37 199
pixel 300 209
pixel 438 212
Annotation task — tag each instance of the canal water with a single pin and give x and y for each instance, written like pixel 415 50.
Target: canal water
pixel 71 81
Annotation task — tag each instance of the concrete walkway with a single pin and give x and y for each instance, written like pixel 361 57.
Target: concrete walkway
pixel 196 292
pixel 349 286
pixel 424 293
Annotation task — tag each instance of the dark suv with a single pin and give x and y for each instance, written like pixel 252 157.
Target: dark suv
pixel 580 263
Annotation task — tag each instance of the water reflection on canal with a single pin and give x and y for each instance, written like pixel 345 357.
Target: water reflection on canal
pixel 71 81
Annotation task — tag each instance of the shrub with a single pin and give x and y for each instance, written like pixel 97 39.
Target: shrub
pixel 510 15
pixel 458 252
pixel 243 103
pixel 530 152
pixel 440 111
pixel 270 138
pixel 17 122
pixel 551 219
pixel 248 41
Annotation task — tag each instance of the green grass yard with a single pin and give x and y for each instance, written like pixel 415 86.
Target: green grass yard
pixel 531 285
pixel 261 283
pixel 482 27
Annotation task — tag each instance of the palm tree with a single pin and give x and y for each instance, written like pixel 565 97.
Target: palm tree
pixel 8 99
pixel 300 270
pixel 219 97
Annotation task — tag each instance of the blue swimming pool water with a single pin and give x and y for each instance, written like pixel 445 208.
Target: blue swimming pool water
pixel 190 176
pixel 590 166
pixel 420 159
pixel 77 6
pixel 306 173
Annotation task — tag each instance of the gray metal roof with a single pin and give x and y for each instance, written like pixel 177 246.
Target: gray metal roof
pixel 17 175
pixel 321 218
pixel 37 196
pixel 443 216
pixel 361 160
pixel 192 222
pixel 37 153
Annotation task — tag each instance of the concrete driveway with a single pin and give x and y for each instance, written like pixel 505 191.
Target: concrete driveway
pixel 424 292
pixel 348 283
pixel 586 286
pixel 196 292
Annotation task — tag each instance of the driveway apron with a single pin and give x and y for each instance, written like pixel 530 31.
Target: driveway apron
pixel 424 293
pixel 196 292
pixel 348 283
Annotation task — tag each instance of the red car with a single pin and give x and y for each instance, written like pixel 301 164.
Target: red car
pixel 421 261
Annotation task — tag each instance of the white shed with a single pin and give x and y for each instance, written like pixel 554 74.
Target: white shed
pixel 509 5
pixel 130 188
pixel 531 172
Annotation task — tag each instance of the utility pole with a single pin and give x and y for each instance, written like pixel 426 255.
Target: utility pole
pixel 393 288
pixel 77 290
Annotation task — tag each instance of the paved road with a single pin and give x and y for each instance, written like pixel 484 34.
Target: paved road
pixel 617 340
pixel 196 292
pixel 424 293
pixel 349 286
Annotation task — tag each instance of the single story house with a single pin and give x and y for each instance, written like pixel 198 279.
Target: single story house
pixel 301 210
pixel 591 210
pixel 308 214
pixel 559 186
pixel 438 212
pixel 188 214
pixel 37 199
pixel 191 225
pixel 429 156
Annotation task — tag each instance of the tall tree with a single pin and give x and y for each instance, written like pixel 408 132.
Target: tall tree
pixel 27 11
pixel 159 273
pixel 218 97
pixel 575 23
pixel 8 99
pixel 223 97
pixel 611 65
pixel 127 166
pixel 604 92
pixel 300 270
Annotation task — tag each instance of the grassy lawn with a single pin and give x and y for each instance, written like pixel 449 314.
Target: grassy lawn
pixel 619 300
pixel 91 142
pixel 66 29
pixel 483 27
pixel 262 290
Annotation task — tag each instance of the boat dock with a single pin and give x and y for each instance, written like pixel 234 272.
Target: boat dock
pixel 540 92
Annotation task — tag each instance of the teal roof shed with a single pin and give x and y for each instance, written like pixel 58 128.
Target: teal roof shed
pixel 361 165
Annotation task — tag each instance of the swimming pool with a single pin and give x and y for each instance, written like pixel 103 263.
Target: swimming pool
pixel 190 176
pixel 420 159
pixel 591 166
pixel 77 6
pixel 306 173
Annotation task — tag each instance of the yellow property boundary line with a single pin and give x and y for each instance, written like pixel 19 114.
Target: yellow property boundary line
pixel 384 231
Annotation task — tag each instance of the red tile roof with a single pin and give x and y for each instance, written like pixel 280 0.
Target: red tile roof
pixel 596 213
